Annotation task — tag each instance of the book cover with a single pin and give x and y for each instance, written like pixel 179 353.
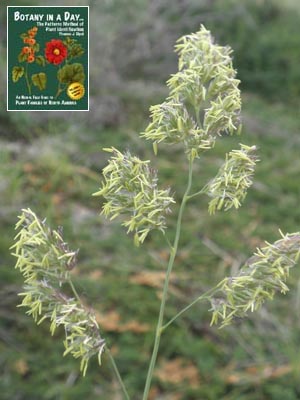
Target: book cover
pixel 47 58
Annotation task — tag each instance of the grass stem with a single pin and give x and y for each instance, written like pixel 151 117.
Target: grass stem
pixel 117 373
pixel 173 252
pixel 205 296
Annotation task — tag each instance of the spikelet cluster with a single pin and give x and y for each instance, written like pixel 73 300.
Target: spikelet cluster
pixel 264 274
pixel 45 261
pixel 229 187
pixel 204 99
pixel 130 189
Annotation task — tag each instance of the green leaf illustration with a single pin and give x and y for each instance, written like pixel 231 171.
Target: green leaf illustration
pixel 17 73
pixel 69 41
pixel 40 60
pixel 76 50
pixel 36 47
pixel 71 73
pixel 39 80
pixel 22 57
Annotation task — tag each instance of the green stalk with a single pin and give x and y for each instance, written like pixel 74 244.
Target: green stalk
pixel 205 296
pixel 203 190
pixel 27 80
pixel 59 89
pixel 173 253
pixel 74 291
pixel 197 114
pixel 117 373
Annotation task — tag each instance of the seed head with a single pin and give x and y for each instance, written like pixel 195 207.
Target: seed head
pixel 229 187
pixel 130 189
pixel 264 274
pixel 204 100
pixel 45 261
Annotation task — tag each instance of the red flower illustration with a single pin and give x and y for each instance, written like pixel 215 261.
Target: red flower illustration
pixel 55 51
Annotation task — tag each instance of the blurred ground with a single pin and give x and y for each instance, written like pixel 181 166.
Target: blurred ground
pixel 51 163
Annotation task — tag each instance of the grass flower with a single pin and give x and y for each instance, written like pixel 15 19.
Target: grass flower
pixel 264 274
pixel 130 189
pixel 204 100
pixel 229 187
pixel 45 261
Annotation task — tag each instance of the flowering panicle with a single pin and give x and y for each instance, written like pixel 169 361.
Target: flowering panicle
pixel 204 99
pixel 229 187
pixel 45 261
pixel 172 123
pixel 194 47
pixel 41 252
pixel 130 188
pixel 259 279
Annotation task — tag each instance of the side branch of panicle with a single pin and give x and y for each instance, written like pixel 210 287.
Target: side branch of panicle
pixel 229 187
pixel 45 261
pixel 264 274
pixel 130 189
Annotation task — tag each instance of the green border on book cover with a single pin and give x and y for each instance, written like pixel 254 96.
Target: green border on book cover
pixel 48 58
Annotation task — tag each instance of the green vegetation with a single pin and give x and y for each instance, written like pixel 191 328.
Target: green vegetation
pixel 260 353
pixel 54 168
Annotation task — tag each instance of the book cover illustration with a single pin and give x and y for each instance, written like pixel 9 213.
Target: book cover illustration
pixel 47 58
